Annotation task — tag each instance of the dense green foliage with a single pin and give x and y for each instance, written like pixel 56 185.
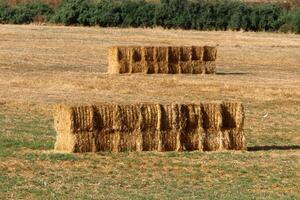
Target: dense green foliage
pixel 23 13
pixel 296 21
pixel 185 14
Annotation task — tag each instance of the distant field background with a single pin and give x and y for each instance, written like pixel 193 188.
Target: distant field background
pixel 44 65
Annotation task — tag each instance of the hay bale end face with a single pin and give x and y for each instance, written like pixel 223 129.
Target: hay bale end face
pixel 164 60
pixel 150 127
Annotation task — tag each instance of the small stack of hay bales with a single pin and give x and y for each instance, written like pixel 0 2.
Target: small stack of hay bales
pixel 150 127
pixel 162 60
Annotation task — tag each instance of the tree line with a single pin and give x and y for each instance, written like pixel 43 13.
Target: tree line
pixel 183 14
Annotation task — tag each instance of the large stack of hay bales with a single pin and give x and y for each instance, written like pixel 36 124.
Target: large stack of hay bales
pixel 150 127
pixel 162 60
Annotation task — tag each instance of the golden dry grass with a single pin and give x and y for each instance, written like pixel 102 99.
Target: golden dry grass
pixel 42 66
pixel 46 65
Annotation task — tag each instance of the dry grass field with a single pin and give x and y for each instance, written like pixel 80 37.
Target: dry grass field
pixel 44 65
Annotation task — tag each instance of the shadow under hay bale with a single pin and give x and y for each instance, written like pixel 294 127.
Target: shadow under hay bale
pixel 274 148
pixel 164 60
pixel 150 127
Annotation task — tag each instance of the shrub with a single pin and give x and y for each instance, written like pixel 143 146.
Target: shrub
pixel 26 12
pixel 286 28
pixel 6 13
pixel 240 18
pixel 138 13
pixel 296 21
pixel 73 12
pixel 145 15
pixel 185 14
pixel 202 16
pixel 106 14
pixel 173 14
pixel 290 21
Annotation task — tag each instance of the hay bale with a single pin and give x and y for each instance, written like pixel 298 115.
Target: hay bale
pixel 198 67
pixel 173 60
pixel 119 60
pixel 209 67
pixel 126 125
pixel 212 123
pixel 166 60
pixel 75 127
pixel 150 123
pixel 170 130
pixel 149 60
pixel 233 123
pixel 150 127
pixel 113 60
pixel 107 138
pixel 209 54
pixel 191 127
pixel 185 63
pixel 63 120
pixel 197 53
pixel 137 60
pixel 161 55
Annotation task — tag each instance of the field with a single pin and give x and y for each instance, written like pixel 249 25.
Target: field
pixel 44 65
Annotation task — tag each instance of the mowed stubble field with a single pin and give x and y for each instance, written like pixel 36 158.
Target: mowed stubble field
pixel 44 65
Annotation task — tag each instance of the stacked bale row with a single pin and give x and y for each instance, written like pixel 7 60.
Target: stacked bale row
pixel 165 60
pixel 150 127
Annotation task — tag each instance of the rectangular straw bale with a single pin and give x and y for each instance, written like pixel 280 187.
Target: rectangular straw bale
pixel 84 125
pixel 197 53
pixel 210 53
pixel 126 118
pixel 233 115
pixel 162 59
pixel 83 118
pixel 80 133
pixel 85 142
pixel 191 127
pixel 209 67
pixel 149 60
pixel 136 60
pixel 212 116
pixel 197 63
pixel 170 129
pixel 198 67
pixel 150 117
pixel 150 127
pixel 126 124
pixel 113 60
pixel 233 122
pixel 212 123
pixel 185 60
pixel 105 117
pixel 174 59
pixel 63 124
pixel 119 60
pixel 107 138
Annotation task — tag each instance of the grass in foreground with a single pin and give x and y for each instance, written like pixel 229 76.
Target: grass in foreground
pixel 29 169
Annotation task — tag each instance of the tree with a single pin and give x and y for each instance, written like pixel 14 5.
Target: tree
pixel 73 12
pixel 172 13
pixel 6 13
pixel 297 22
pixel 239 18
